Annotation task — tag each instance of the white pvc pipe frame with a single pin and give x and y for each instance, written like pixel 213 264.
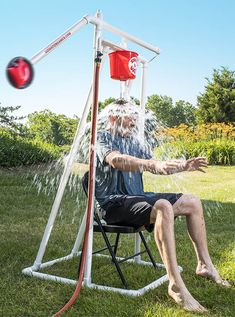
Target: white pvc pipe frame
pixel 98 42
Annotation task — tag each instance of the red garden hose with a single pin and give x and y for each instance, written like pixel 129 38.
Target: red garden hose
pixel 90 186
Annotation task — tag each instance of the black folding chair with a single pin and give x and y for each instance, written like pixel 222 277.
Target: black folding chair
pixel 104 228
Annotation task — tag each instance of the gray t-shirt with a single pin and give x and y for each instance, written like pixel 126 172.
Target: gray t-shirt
pixel 111 182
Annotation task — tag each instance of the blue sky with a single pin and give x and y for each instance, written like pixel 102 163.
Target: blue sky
pixel 195 36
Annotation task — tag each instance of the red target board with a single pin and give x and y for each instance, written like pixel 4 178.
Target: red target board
pixel 20 72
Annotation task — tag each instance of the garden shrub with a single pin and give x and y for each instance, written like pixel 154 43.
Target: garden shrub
pixel 204 131
pixel 16 150
pixel 217 151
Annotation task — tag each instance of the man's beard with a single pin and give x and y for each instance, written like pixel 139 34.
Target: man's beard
pixel 125 132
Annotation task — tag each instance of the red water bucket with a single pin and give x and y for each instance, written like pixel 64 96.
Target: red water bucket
pixel 123 65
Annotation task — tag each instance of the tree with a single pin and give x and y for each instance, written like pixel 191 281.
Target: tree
pixel 217 103
pixel 11 122
pixel 162 107
pixel 170 114
pixel 55 129
pixel 183 112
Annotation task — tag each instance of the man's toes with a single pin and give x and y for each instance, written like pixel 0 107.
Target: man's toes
pixel 203 309
pixel 223 283
pixel 197 309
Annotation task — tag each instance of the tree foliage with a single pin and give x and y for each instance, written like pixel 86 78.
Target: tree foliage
pixel 106 102
pixel 102 105
pixel 52 128
pixel 171 114
pixel 217 103
pixel 11 122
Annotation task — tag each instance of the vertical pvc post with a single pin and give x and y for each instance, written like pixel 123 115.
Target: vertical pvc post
pixel 143 95
pixel 142 105
pixel 80 235
pixel 88 264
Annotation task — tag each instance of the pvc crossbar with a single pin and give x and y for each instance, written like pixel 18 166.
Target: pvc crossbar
pixel 33 271
pixel 102 25
pixel 116 47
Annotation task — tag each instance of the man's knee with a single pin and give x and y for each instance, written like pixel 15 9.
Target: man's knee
pixel 190 203
pixel 164 208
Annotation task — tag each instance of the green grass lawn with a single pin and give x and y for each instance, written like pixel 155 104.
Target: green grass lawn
pixel 24 213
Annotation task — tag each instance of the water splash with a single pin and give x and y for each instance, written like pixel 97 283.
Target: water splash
pixel 47 182
pixel 143 128
pixel 146 128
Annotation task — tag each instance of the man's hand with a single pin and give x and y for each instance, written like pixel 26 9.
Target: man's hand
pixel 176 166
pixel 196 164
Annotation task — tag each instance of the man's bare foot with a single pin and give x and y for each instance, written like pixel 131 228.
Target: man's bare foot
pixel 182 297
pixel 211 273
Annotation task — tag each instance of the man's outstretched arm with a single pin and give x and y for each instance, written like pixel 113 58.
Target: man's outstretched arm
pixel 129 163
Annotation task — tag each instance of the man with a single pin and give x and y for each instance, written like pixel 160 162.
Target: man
pixel 121 160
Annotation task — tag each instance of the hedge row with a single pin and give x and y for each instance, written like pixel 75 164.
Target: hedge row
pixel 202 132
pixel 217 152
pixel 16 151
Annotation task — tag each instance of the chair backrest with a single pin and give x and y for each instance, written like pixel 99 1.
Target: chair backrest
pixel 97 210
pixel 85 182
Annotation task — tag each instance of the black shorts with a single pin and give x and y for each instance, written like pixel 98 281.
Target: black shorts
pixel 134 210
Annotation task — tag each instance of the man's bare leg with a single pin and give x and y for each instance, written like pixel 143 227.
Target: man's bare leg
pixel 191 207
pixel 164 236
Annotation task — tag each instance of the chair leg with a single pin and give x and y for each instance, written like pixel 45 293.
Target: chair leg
pixel 147 250
pixel 116 243
pixel 112 253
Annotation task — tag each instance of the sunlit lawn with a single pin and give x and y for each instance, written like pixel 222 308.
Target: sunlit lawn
pixel 24 214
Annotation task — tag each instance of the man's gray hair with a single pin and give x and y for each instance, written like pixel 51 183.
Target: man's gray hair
pixel 120 108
